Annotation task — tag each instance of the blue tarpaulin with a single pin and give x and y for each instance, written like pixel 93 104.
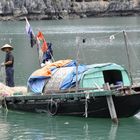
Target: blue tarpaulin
pixel 37 83
pixel 70 80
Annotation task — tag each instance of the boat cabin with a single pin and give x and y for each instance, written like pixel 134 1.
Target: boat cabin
pixel 99 74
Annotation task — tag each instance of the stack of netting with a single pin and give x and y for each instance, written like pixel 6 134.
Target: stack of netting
pixel 10 91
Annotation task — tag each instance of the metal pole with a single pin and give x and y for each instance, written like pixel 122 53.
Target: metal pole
pixel 52 57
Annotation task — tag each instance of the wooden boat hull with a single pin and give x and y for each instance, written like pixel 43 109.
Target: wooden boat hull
pixel 126 106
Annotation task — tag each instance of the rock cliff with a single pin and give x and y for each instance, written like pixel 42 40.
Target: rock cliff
pixel 65 9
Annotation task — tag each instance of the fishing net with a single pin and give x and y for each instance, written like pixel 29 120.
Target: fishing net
pixel 10 91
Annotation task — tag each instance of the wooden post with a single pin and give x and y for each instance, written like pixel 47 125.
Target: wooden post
pixel 111 106
pixel 77 61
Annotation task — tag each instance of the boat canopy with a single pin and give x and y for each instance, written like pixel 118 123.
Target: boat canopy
pixel 59 75
pixel 99 74
pixel 62 75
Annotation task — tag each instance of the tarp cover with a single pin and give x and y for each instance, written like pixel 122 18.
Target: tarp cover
pixel 64 78
pixel 37 80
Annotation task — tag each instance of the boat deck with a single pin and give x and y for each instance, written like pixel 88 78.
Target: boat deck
pixel 59 96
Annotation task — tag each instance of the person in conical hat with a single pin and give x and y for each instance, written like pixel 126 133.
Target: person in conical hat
pixel 9 64
pixel 3 48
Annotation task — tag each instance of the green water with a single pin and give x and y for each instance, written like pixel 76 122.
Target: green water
pixel 27 126
pixel 98 48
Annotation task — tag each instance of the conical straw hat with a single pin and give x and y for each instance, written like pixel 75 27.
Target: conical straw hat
pixel 6 46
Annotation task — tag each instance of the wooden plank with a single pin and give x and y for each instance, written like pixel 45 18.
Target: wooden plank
pixel 64 94
pixel 70 90
pixel 112 109
pixel 86 89
pixel 111 106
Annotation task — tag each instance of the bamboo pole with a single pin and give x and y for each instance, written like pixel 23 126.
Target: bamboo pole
pixel 128 57
pixel 37 42
pixel 77 62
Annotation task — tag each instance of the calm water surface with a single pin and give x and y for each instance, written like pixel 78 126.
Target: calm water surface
pixel 104 42
pixel 28 126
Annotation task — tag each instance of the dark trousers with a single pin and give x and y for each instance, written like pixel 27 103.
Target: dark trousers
pixel 10 76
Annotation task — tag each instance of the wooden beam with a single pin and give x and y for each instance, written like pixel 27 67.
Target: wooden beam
pixel 111 106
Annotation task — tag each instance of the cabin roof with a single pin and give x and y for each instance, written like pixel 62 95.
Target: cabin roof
pixel 95 75
pixel 103 67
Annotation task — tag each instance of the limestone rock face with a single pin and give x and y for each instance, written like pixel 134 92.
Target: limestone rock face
pixel 63 9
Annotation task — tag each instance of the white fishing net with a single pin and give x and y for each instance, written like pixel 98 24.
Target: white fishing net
pixel 10 91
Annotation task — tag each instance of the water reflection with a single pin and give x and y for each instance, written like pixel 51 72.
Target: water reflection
pixel 113 132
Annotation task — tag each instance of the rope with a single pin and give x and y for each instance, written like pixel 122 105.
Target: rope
pixel 2 99
pixel 108 36
pixel 5 105
pixel 83 39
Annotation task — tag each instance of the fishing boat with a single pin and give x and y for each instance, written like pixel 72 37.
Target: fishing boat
pixel 102 90
pixel 66 87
